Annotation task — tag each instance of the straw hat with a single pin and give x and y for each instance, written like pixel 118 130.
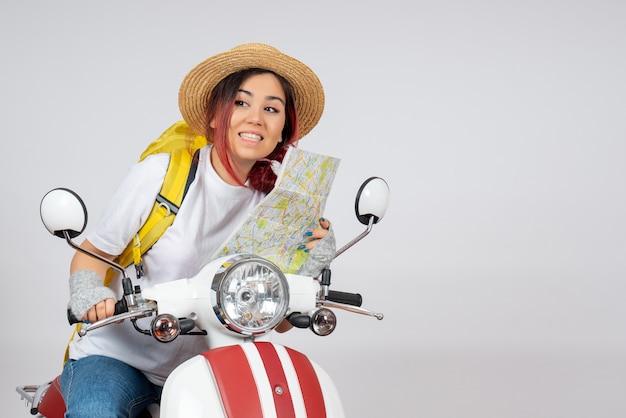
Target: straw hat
pixel 197 85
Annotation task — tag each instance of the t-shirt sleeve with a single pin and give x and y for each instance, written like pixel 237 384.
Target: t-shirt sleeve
pixel 130 205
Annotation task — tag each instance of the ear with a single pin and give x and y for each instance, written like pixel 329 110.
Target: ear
pixel 212 123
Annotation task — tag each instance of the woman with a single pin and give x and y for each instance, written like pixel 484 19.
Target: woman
pixel 251 103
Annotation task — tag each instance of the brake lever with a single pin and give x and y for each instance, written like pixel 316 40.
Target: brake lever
pixel 351 308
pixel 147 310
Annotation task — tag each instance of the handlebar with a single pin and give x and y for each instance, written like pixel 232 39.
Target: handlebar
pixel 353 299
pixel 120 308
pixel 350 308
pixel 144 311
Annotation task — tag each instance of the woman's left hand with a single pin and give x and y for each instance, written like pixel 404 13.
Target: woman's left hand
pixel 321 249
pixel 316 235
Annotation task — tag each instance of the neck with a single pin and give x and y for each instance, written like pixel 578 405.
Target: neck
pixel 220 169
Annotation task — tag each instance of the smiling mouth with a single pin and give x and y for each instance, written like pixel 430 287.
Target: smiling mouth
pixel 251 137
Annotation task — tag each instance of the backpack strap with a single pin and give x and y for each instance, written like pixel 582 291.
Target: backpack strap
pixel 180 174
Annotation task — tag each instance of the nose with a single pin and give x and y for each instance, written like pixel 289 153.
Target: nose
pixel 255 115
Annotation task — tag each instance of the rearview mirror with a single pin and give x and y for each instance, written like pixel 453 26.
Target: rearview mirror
pixel 372 200
pixel 370 206
pixel 63 210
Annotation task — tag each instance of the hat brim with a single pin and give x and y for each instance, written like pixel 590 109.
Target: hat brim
pixel 201 80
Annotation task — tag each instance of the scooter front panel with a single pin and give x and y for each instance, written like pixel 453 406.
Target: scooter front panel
pixel 263 379
pixel 190 392
pixel 251 380
pixel 235 382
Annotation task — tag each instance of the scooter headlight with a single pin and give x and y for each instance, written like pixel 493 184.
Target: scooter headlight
pixel 251 295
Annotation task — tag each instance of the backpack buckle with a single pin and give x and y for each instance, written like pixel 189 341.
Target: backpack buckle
pixel 137 257
pixel 139 269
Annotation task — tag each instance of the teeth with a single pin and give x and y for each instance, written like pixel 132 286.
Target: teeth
pixel 253 137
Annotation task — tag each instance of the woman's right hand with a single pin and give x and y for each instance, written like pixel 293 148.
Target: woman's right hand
pixel 90 300
pixel 100 310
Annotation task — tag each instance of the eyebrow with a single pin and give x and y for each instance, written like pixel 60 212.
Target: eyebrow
pixel 267 98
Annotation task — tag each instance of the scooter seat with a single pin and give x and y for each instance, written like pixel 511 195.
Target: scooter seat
pixel 52 404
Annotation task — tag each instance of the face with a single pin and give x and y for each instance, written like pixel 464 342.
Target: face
pixel 257 121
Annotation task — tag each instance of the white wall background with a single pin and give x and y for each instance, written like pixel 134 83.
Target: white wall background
pixel 499 125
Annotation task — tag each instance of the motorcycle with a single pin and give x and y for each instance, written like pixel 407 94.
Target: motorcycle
pixel 235 302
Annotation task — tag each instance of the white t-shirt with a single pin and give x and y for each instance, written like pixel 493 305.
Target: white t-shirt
pixel 212 209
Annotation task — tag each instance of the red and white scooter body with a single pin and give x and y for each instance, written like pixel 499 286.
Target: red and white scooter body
pixel 249 380
pixel 238 378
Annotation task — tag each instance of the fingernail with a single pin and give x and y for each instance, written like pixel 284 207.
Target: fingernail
pixel 308 234
pixel 301 247
pixel 306 251
pixel 322 219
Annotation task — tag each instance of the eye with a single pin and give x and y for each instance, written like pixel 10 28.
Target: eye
pixel 240 103
pixel 272 109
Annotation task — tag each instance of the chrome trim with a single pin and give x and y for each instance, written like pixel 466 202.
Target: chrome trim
pixel 139 313
pixel 222 273
pixel 351 308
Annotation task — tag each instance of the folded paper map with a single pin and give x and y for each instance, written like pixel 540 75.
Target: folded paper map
pixel 276 226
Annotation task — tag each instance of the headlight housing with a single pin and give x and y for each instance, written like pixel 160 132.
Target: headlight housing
pixel 250 294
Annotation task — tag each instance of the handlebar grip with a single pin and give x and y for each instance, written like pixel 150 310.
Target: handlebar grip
pixel 353 299
pixel 120 307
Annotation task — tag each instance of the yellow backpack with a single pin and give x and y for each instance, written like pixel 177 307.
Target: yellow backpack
pixel 183 147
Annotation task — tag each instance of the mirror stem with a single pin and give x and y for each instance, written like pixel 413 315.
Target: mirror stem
pixel 98 256
pixel 357 239
pixel 127 284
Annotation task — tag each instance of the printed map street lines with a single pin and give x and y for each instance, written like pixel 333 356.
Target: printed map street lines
pixel 276 227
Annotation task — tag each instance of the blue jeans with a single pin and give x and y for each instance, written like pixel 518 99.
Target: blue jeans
pixel 97 386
